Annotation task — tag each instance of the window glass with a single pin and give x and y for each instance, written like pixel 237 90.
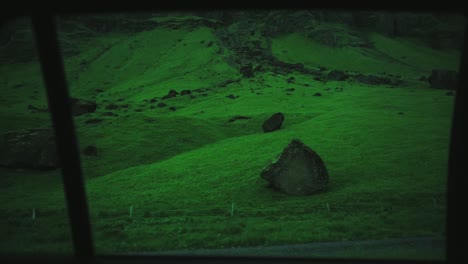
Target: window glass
pixel 33 216
pixel 300 133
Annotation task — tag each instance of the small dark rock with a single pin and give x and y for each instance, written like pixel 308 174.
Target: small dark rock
pixel 19 85
pixel 170 94
pixel 373 79
pixel 109 114
pixel 80 106
pixel 34 109
pixel 172 108
pixel 112 107
pixel 306 85
pixel 317 94
pixel 273 123
pixel 291 79
pixel 199 90
pixel 185 92
pixel 99 90
pixel 258 68
pixel 298 67
pixel 94 121
pixel 336 75
pixel 226 83
pixel 231 96
pixel 90 150
pixel 401 113
pixel 238 118
pixel 153 100
pixel 247 71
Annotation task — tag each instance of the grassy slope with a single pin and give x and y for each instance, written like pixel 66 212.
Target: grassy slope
pixel 386 169
pixel 396 56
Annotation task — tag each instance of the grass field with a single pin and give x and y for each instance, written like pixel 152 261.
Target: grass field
pixel 191 178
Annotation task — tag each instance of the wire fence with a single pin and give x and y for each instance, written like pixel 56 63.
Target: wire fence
pixel 229 210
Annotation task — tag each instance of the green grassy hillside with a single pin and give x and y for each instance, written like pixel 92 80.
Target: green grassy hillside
pixel 192 178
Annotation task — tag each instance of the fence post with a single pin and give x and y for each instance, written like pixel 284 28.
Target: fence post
pixel 131 210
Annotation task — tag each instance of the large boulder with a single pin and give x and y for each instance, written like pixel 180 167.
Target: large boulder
pixel 273 123
pixel 298 171
pixel 443 79
pixel 29 148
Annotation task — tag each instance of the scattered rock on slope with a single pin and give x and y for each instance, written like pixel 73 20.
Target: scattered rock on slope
pixel 238 117
pixel 185 92
pixel 336 75
pixel 273 123
pixel 81 106
pixel 29 148
pixel 170 94
pixel 375 80
pixel 298 171
pixel 247 71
